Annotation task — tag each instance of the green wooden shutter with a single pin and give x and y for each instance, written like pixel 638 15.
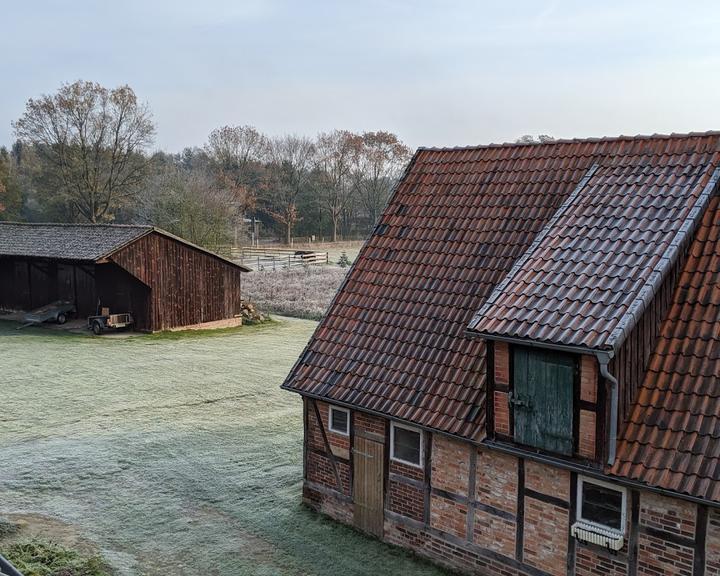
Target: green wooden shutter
pixel 543 399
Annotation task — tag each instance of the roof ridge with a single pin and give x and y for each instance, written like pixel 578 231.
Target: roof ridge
pixel 591 139
pixel 77 224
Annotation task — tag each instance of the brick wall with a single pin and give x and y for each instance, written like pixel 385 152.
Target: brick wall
pixel 501 407
pixel 712 549
pixel 667 514
pixel 501 413
pixel 448 516
pixel 545 536
pixel 318 466
pixel 486 506
pixel 588 378
pixel 502 363
pixel 450 465
pixel 547 480
pixel 496 480
pixel 406 500
pixel 495 532
pixel 593 561
pixel 369 423
pixel 658 557
pixel 660 554
pixel 588 425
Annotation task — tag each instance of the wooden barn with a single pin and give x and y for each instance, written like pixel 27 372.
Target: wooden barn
pixel 164 281
pixel 521 373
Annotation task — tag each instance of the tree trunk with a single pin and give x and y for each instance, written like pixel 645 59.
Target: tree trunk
pixel 288 237
pixel 335 228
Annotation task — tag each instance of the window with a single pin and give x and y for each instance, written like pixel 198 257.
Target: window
pixel 339 420
pixel 602 505
pixel 542 399
pixel 406 445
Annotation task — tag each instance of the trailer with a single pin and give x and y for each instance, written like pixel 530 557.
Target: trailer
pixel 55 311
pixel 98 324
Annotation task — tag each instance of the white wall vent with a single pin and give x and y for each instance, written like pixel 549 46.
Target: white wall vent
pixel 593 534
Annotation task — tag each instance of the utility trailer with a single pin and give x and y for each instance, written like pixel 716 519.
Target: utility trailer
pixel 55 311
pixel 98 324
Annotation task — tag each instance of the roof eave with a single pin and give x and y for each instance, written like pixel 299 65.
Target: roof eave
pixel 559 346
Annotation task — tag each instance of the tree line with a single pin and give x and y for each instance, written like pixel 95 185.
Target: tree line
pixel 83 154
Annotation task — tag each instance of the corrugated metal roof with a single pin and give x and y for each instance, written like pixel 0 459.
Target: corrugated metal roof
pixel 83 242
pixel 672 438
pixel 394 340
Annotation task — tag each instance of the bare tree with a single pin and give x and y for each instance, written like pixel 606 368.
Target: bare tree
pixel 95 139
pixel 378 166
pixel 191 204
pixel 291 161
pixel 336 153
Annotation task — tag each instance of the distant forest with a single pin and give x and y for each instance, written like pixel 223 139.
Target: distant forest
pixel 83 154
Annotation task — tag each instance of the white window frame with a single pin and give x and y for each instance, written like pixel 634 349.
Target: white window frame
pixel 330 420
pixel 623 509
pixel 394 425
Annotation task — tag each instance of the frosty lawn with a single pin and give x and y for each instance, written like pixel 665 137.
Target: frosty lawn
pixel 174 455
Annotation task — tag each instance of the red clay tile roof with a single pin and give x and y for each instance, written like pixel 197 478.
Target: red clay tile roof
pixel 394 339
pixel 599 262
pixel 672 438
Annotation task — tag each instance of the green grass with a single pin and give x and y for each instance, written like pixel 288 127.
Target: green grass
pixel 36 558
pixel 172 454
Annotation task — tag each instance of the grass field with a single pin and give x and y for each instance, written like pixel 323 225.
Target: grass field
pixel 170 454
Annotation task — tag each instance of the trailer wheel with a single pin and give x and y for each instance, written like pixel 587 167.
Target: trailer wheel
pixel 97 328
pixel 61 318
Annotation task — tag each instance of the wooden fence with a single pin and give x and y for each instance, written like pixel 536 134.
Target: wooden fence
pixel 277 258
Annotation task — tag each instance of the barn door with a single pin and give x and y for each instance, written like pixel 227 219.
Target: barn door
pixel 542 399
pixel 368 459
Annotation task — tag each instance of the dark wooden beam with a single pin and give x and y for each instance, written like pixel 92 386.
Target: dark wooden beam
pixel 328 448
pixel 520 512
pixel 701 524
pixel 472 469
pixel 427 478
pixel 572 543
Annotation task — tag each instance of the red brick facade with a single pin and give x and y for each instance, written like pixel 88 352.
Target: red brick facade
pixel 463 511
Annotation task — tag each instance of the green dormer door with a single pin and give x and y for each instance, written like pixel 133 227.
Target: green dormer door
pixel 542 399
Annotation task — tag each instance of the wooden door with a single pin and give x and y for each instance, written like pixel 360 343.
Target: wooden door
pixel 368 461
pixel 543 399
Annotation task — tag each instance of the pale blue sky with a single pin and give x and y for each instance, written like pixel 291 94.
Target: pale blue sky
pixel 436 72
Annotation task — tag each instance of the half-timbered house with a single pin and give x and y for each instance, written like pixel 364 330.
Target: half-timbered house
pixel 521 372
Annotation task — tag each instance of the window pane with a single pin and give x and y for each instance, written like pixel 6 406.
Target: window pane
pixel 602 505
pixel 339 420
pixel 407 445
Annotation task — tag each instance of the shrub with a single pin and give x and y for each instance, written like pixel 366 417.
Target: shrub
pixel 37 558
pixel 343 261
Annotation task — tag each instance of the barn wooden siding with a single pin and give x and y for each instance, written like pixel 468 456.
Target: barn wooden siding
pixel 187 286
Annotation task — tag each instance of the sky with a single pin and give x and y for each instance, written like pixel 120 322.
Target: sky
pixel 437 73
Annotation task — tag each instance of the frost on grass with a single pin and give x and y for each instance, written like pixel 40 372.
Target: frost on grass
pixel 303 292
pixel 173 456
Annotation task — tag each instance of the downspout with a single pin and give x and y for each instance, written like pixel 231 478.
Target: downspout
pixel 604 359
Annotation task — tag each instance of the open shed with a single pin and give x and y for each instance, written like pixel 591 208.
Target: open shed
pixel 164 281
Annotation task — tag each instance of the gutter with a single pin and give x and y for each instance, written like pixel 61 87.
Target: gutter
pixel 604 359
